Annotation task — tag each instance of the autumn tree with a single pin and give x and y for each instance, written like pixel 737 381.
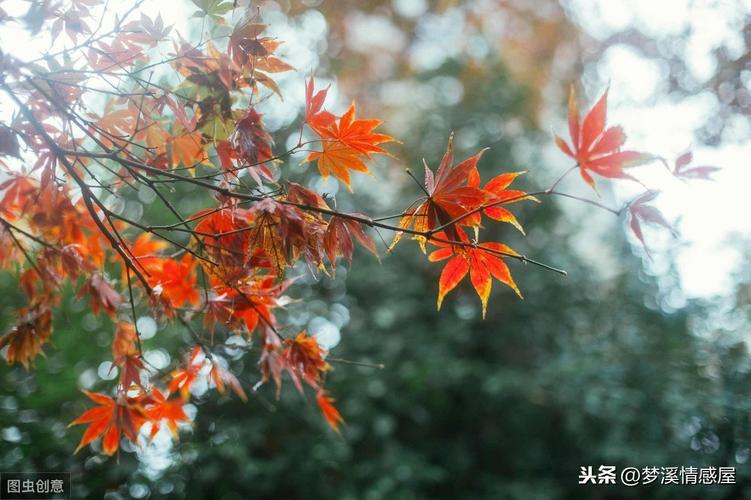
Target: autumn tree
pixel 122 104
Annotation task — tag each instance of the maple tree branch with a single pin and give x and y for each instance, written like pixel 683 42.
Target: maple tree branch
pixel 583 200
pixel 115 154
pixel 133 312
pixel 560 179
pixel 363 220
pixel 92 38
pixel 86 192
pixel 10 228
pixel 409 173
pixel 379 366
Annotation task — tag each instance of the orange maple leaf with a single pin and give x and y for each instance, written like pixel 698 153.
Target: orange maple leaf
pixel 183 378
pixel 176 280
pixel 26 338
pixel 330 413
pixel 159 408
pixel 338 159
pixel 110 419
pixel 344 144
pixel 125 354
pixel 357 134
pixel 483 261
pixel 187 150
pixel 497 187
pixel 595 148
pixel 223 377
pixel 145 251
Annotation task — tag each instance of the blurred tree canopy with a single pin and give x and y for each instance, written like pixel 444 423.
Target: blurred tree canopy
pixel 595 368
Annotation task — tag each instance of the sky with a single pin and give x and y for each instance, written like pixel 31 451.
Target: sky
pixel 707 214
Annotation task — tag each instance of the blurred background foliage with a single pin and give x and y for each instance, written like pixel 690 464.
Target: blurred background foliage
pixel 610 365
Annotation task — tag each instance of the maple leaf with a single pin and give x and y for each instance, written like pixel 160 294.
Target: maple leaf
pixel 303 358
pixel 126 355
pixel 497 187
pixel 72 21
pixel 595 148
pixel 346 144
pixel 270 362
pixel 101 295
pixel 175 280
pixel 254 54
pixel 253 145
pixel 337 159
pixel 144 252
pixel 244 43
pixel 110 419
pixel 187 150
pixel 315 116
pixel 483 261
pixel 183 378
pixel 330 413
pixel 453 192
pixel 248 304
pixel 357 134
pixel 222 377
pixel 158 408
pixel 639 211
pixel 681 171
pixel 338 239
pixel 9 251
pixel 25 340
pixel 224 243
pixel 72 261
pixel 154 30
pixel 115 124
pixel 20 191
pixel 278 231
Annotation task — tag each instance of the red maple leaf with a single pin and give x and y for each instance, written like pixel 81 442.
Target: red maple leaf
pixel 338 239
pixel 639 212
pixel 303 358
pixel 595 148
pixel 453 192
pixel 681 170
pixel 253 145
pixel 101 295
pixel 315 116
